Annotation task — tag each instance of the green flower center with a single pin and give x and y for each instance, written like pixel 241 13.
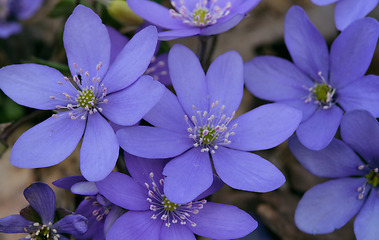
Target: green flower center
pixel 207 135
pixel 200 16
pixel 323 92
pixel 86 99
pixel 373 178
pixel 169 206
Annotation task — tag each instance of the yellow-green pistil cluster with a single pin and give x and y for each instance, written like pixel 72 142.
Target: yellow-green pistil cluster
pixel 373 178
pixel 86 98
pixel 169 206
pixel 200 16
pixel 323 92
pixel 207 135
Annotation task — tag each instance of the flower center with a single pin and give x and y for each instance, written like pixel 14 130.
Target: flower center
pixel 210 129
pixel 205 12
pixel 44 232
pixel 90 93
pixel 373 177
pixel 168 211
pixel 322 94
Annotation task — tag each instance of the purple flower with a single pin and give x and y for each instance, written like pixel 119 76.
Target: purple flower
pixel 321 84
pixel 354 189
pixel 12 11
pixel 152 216
pixel 198 125
pixel 38 219
pixel 99 211
pixel 193 17
pixel 347 11
pixel 97 90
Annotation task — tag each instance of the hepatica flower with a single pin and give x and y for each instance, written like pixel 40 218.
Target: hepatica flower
pixel 198 125
pixel 12 11
pixel 152 216
pixel 38 220
pixel 193 17
pixel 321 84
pixel 99 211
pixel 96 92
pixel 347 11
pixel 354 189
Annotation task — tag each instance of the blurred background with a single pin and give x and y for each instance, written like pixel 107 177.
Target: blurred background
pixel 260 33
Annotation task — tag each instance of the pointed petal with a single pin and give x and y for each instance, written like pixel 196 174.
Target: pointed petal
pixel 152 142
pixel 225 81
pixel 33 85
pixel 329 206
pixel 72 224
pixel 221 27
pixel 307 47
pixel 115 213
pixel 128 106
pixel 86 42
pixel 347 11
pixel 352 51
pixel 274 79
pixel 47 143
pixel 118 42
pixel 360 130
pixel 123 191
pixel 361 94
pixel 42 199
pixel 187 176
pixel 132 61
pixel 14 224
pixel 246 171
pixel 67 182
pixel 178 33
pixel 220 221
pixel 157 14
pixel 140 168
pixel 168 114
pixel 177 231
pixel 264 127
pixel 364 227
pixel 318 131
pixel 188 79
pixel 84 188
pixel 334 161
pixel 136 225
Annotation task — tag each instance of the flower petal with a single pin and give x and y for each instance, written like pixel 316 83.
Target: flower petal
pixel 264 127
pixel 220 221
pixel 318 131
pixel 187 176
pixel 67 182
pixel 347 11
pixel 246 171
pixel 132 61
pixel 9 28
pixel 128 106
pixel 361 94
pixel 178 33
pixel 216 185
pixel 14 224
pixel 307 108
pixel 329 206
pixel 225 81
pixel 42 199
pixel 364 227
pixel 360 130
pixel 152 142
pixel 113 215
pixel 34 86
pixel 24 9
pixel 118 42
pixel 352 51
pixel 123 191
pixel 47 143
pixel 272 78
pixel 72 224
pixel 334 161
pixel 177 231
pixel 86 42
pixel 100 149
pixel 323 2
pixel 306 45
pixel 188 79
pixel 223 26
pixel 84 188
pixel 136 226
pixel 168 114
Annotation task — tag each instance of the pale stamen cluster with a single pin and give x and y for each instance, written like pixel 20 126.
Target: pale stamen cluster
pixel 210 129
pixel 154 69
pixel 90 92
pixel 207 12
pixel 321 94
pixel 372 179
pixel 167 211
pixel 43 232
pixel 101 211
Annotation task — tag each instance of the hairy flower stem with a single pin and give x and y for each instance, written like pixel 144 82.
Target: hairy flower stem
pixel 207 47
